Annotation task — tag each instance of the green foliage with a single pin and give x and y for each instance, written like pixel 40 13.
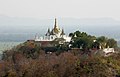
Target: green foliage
pixel 112 43
pixel 102 41
pixel 106 42
pixel 71 35
pixel 83 40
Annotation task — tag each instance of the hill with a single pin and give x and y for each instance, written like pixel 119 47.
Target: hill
pixel 67 64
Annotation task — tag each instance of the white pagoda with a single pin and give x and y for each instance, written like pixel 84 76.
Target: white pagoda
pixel 55 33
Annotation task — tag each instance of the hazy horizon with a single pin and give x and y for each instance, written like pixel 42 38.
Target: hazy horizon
pixel 26 28
pixel 28 17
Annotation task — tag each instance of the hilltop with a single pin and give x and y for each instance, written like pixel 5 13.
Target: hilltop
pixel 75 63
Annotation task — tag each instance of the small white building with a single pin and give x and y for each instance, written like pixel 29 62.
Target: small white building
pixel 56 32
pixel 108 51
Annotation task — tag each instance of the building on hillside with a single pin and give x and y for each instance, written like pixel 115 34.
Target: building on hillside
pixel 108 50
pixel 55 34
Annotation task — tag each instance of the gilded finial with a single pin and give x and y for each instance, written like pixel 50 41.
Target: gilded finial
pixel 55 22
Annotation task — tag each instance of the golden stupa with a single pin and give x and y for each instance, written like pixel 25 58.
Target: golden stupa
pixel 56 29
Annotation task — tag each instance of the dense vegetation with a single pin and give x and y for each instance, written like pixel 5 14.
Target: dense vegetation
pixel 30 60
pixel 83 40
pixel 67 64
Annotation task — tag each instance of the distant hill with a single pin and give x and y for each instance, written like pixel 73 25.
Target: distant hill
pixel 25 28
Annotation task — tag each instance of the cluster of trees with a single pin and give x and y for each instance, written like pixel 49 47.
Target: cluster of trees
pixel 85 41
pixel 67 64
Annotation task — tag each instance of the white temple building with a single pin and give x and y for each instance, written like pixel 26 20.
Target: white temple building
pixel 55 33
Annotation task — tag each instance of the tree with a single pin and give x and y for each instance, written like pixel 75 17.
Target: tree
pixel 105 42
pixel 82 40
pixel 71 35
pixel 112 43
pixel 102 41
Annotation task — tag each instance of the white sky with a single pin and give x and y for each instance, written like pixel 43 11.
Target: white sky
pixel 61 8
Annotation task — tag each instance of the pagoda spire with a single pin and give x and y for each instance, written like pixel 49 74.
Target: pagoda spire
pixel 56 29
pixel 63 33
pixel 48 32
pixel 55 26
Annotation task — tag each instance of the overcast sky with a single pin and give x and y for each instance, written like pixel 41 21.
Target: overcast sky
pixel 61 8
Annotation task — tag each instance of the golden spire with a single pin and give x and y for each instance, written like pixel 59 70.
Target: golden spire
pixel 55 26
pixel 56 29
